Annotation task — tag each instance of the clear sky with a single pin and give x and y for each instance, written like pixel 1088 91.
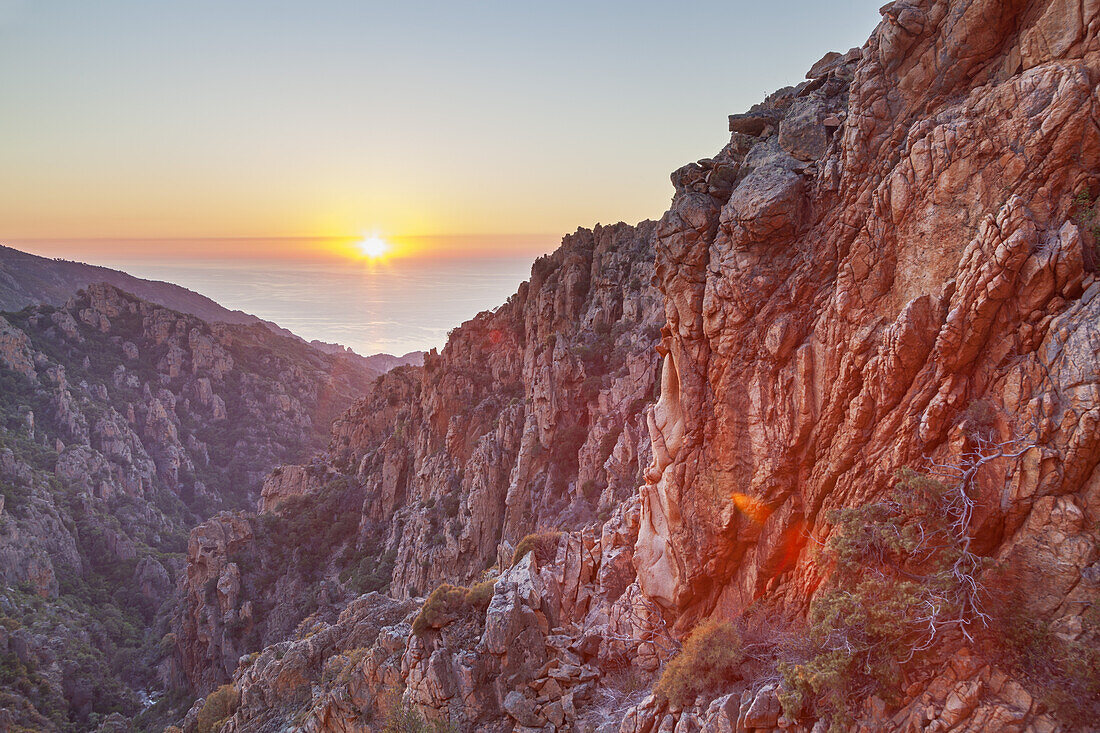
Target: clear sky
pixel 264 118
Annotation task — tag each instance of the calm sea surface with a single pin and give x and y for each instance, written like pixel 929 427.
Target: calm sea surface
pixel 395 306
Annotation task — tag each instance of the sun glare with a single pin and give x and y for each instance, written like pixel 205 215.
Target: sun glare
pixel 374 247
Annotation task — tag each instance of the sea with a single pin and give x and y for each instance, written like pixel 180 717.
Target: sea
pixel 392 306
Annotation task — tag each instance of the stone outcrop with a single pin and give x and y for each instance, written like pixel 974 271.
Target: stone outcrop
pixel 283 483
pixel 218 580
pixel 530 417
pixel 868 282
pixel 534 658
pixel 831 320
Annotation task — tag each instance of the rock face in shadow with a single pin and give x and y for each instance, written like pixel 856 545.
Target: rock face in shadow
pixel 891 265
pixel 122 424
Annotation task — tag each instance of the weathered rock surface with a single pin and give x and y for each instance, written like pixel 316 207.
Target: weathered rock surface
pixel 833 322
pixel 530 418
pixel 534 658
pixel 819 341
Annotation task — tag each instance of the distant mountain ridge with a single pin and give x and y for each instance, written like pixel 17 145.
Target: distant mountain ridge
pixel 27 279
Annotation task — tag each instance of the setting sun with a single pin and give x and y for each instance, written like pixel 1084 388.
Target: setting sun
pixel 373 247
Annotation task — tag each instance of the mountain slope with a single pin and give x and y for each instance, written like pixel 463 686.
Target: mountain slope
pixel 27 279
pixel 122 424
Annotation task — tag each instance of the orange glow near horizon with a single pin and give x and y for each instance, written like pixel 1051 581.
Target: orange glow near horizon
pixel 274 131
pixel 371 247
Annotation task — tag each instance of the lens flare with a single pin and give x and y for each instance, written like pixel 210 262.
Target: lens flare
pixel 756 510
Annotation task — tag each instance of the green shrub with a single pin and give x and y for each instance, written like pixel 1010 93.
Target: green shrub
pixel 981 416
pixel 376 576
pixel 568 443
pixel 1086 213
pixel 543 544
pixel 590 388
pixel 338 668
pixel 894 559
pixel 167 644
pixel 218 707
pixel 448 602
pixel 308 530
pixel 480 594
pixel 710 659
pixel 450 504
pixel 592 490
pixel 404 718
pixel 544 266
pixel 593 356
pixel 444 604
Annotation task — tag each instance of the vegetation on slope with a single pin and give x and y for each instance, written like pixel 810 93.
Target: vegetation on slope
pixel 710 660
pixel 107 458
pixel 903 578
pixel 448 602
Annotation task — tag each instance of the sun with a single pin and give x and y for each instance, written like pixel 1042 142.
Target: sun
pixel 373 247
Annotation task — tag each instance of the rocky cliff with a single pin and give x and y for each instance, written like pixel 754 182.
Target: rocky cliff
pixel 530 419
pixel 123 424
pixel 902 278
pixel 871 499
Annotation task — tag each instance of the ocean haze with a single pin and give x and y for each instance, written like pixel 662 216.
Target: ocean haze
pixel 393 306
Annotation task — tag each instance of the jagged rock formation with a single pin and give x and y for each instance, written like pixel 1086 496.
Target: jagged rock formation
pixel 122 424
pixel 829 322
pixel 891 266
pixel 529 419
pixel 905 243
pixel 555 646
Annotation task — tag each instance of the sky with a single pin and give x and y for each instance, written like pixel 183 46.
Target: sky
pixel 474 127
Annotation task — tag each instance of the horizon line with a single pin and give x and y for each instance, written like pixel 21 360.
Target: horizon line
pixel 275 237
